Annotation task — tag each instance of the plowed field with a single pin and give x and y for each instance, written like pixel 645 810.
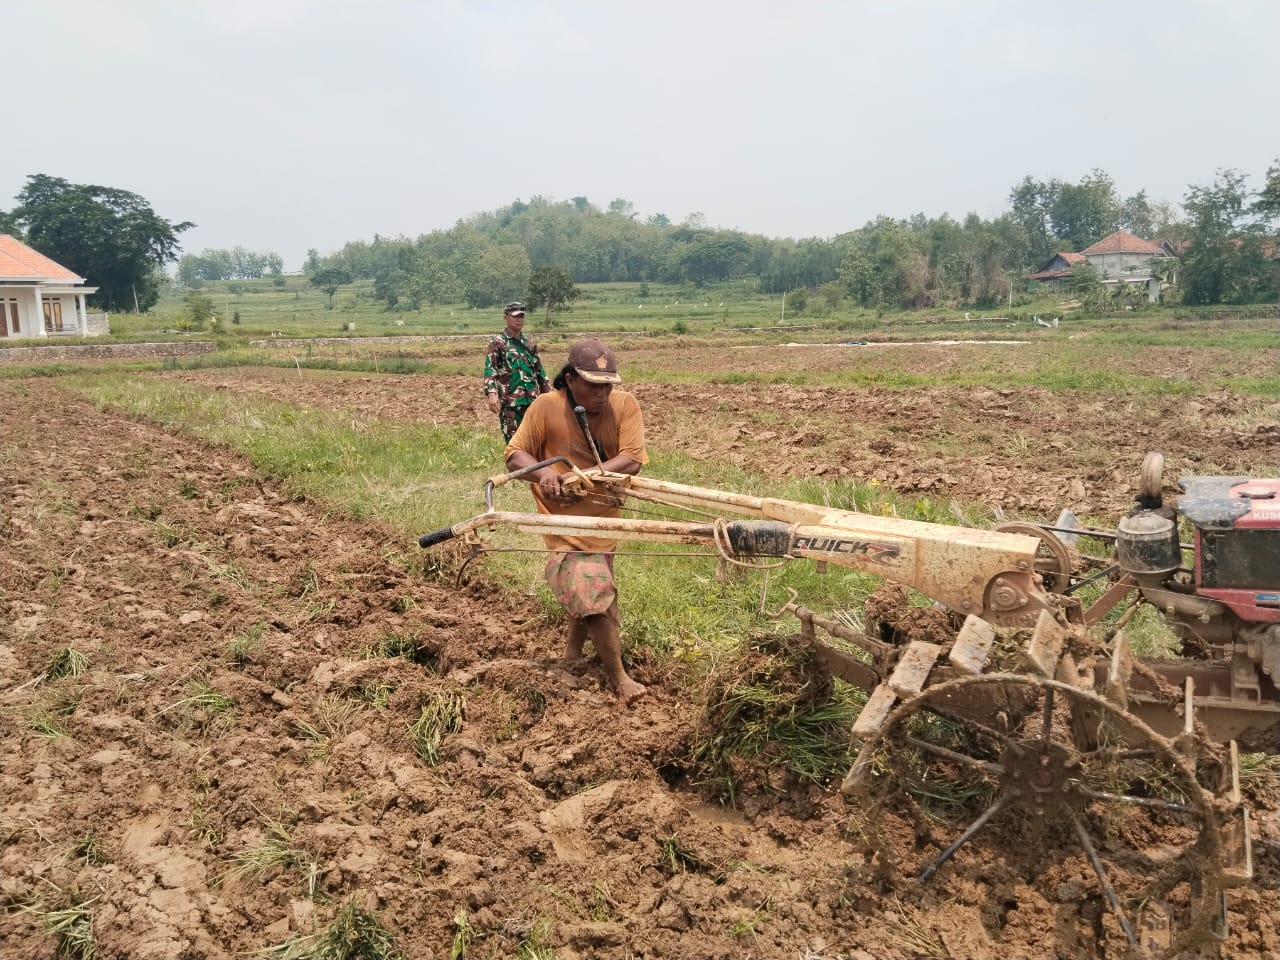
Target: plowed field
pixel 231 766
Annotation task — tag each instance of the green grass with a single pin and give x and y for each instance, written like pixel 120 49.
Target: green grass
pixel 440 715
pixel 676 856
pixel 67 662
pixel 353 934
pixel 204 708
pixel 70 925
pixel 331 717
pixel 242 647
pixel 276 852
pixel 464 934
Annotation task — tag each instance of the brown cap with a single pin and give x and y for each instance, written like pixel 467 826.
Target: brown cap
pixel 594 362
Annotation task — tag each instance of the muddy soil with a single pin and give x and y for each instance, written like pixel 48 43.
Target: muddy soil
pixel 240 692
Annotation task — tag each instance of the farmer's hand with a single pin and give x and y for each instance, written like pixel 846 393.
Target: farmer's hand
pixel 551 488
pixel 493 402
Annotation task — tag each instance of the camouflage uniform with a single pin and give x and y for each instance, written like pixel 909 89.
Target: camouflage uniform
pixel 513 370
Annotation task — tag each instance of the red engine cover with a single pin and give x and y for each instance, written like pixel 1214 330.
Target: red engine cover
pixel 1238 547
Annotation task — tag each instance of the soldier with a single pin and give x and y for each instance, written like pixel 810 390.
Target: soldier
pixel 513 373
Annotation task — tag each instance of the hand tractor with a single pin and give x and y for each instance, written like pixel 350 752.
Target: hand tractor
pixel 1110 776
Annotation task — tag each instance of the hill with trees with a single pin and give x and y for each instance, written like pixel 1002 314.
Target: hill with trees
pixel 1224 233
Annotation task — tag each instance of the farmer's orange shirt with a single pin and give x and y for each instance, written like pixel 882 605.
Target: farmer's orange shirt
pixel 549 429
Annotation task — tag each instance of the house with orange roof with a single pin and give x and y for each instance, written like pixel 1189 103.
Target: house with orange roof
pixel 40 298
pixel 1121 258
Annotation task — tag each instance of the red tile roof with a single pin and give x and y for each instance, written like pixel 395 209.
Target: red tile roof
pixel 1072 258
pixel 1122 241
pixel 20 262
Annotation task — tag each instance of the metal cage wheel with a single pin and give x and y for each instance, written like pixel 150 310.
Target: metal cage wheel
pixel 1071 782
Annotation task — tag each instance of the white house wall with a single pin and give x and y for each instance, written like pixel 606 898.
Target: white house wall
pixel 30 319
pixel 1116 265
pixel 31 302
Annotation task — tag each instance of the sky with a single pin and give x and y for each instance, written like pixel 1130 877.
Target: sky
pixel 285 125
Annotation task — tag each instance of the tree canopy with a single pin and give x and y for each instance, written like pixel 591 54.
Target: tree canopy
pixel 553 288
pixel 1225 261
pixel 916 262
pixel 237 263
pixel 110 237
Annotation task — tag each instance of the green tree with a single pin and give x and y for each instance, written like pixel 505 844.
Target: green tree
pixel 1224 262
pixel 797 300
pixel 200 309
pixel 1267 205
pixel 1085 212
pixel 390 284
pixel 330 278
pixel 1030 202
pixel 713 257
pixel 622 207
pixel 1138 216
pixel 553 288
pixel 110 237
pixel 501 273
pixel 1085 284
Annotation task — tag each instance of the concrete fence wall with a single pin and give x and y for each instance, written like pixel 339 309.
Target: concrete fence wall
pixel 105 351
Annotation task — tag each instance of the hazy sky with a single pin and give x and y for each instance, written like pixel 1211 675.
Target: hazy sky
pixel 288 124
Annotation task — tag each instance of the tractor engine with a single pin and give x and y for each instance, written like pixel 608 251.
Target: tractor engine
pixel 1227 602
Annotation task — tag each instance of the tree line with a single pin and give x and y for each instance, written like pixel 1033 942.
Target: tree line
pixel 1225 233
pixel 238 263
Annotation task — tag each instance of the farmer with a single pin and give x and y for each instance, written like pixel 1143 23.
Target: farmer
pixel 580 568
pixel 513 374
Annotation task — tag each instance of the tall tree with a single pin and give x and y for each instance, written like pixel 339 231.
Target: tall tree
pixel 1224 262
pixel 110 237
pixel 1267 206
pixel 330 278
pixel 1085 212
pixel 1137 216
pixel 1030 202
pixel 552 287
pixel 500 273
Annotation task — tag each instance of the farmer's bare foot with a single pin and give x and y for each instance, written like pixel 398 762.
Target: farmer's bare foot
pixel 629 691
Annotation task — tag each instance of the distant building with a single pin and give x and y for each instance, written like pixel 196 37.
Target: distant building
pixel 1120 258
pixel 1057 268
pixel 41 298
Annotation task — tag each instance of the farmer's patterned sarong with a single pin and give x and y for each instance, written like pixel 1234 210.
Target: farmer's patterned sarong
pixel 582 582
